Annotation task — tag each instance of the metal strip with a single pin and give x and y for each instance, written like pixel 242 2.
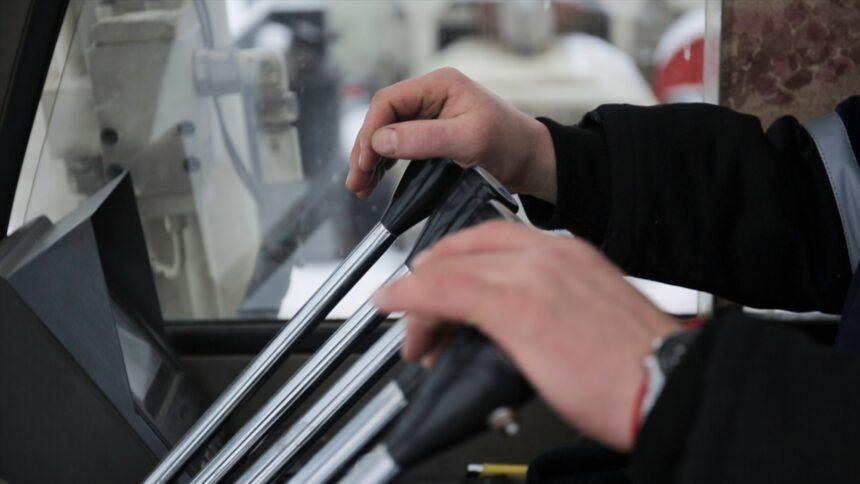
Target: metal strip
pixel 323 413
pixel 354 436
pixel 304 381
pixel 28 34
pixel 839 160
pixel 375 467
pixel 305 320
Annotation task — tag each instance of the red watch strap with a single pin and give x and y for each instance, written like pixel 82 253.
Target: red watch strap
pixel 636 421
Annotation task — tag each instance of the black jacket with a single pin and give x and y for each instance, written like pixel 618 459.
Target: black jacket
pixel 699 196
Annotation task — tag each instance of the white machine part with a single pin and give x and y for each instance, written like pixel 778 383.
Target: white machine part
pixel 536 69
pixel 154 87
pixel 572 76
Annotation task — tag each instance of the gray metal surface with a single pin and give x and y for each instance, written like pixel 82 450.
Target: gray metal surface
pixel 304 381
pixel 366 370
pixel 356 434
pixel 305 319
pixel 375 467
pixel 834 146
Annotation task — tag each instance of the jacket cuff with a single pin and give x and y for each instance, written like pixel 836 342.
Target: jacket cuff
pixel 583 182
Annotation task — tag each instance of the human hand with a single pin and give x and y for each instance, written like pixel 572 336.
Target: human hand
pixel 444 114
pixel 555 305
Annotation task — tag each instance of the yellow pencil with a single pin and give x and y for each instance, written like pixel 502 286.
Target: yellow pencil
pixel 490 469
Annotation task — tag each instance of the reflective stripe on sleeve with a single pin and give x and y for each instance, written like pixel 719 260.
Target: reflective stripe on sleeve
pixel 839 160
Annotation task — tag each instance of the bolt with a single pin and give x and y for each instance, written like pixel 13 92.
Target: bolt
pixel 186 128
pixel 109 136
pixel 191 164
pixel 504 419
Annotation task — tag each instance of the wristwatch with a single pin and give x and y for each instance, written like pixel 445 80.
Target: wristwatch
pixel 672 348
pixel 666 354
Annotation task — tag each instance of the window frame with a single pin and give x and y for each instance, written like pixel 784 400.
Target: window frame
pixel 28 34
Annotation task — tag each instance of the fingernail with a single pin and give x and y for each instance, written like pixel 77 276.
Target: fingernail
pixel 385 141
pixel 361 156
pixel 349 177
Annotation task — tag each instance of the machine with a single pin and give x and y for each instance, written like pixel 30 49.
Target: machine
pixel 94 389
pixel 206 130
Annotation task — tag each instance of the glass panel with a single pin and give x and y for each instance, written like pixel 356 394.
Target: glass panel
pixel 235 119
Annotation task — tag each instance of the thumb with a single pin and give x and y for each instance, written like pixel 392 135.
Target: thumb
pixel 433 138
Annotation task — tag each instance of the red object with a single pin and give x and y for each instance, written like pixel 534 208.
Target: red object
pixel 682 70
pixel 637 407
pixel 694 323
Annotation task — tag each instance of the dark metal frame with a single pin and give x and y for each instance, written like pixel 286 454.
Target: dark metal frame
pixel 28 33
pixel 249 336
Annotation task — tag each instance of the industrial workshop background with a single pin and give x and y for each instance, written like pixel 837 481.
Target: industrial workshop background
pixel 235 119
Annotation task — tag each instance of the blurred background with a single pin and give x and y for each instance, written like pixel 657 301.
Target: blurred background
pixel 236 117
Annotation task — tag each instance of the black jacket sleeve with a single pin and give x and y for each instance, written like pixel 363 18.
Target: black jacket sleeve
pixel 699 196
pixel 752 402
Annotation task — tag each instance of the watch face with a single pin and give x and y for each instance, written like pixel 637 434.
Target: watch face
pixel 673 349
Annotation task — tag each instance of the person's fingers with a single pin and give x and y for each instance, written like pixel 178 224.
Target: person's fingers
pixel 500 268
pixel 375 176
pixel 445 334
pixel 420 97
pixel 357 180
pixel 426 339
pixel 462 294
pixel 425 333
pixel 420 332
pixel 431 138
pixel 350 182
pixel 401 101
pixel 491 236
pixel 412 140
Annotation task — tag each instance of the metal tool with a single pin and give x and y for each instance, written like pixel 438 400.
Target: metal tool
pixel 414 199
pixel 470 203
pixel 300 385
pixel 473 190
pixel 360 376
pixel 469 383
pixel 365 426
